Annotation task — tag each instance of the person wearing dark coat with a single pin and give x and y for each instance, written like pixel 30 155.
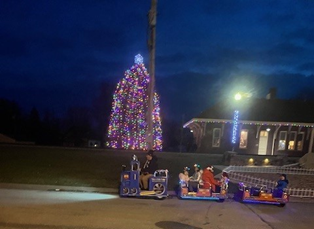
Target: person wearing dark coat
pixel 148 169
pixel 282 183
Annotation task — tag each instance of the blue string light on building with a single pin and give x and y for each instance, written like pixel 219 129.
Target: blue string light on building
pixel 235 126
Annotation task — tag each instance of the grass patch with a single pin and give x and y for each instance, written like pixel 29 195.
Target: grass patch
pixel 83 167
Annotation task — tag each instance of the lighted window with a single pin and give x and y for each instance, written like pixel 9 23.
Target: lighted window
pixel 263 134
pixel 300 139
pixel 282 140
pixel 292 138
pixel 243 139
pixel 216 137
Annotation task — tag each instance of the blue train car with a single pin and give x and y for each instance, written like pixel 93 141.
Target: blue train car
pixel 203 194
pixel 130 182
pixel 261 195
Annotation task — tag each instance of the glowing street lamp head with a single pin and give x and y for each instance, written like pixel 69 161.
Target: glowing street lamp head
pixel 238 96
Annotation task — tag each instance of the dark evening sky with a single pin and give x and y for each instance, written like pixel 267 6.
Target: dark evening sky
pixel 56 53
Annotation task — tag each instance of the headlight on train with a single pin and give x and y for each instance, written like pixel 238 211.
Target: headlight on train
pixel 126 176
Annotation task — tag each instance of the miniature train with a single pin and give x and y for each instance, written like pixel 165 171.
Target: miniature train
pixel 158 189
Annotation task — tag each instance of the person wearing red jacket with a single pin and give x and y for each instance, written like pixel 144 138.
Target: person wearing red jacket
pixel 208 178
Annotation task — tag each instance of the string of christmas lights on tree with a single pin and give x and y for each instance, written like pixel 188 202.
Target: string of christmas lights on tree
pixel 128 124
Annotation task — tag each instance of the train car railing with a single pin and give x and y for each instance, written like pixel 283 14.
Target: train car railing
pixel 258 182
pixel 269 169
pixel 250 180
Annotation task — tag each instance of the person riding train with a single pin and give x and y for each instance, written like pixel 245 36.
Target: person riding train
pixel 149 167
pixel 283 182
pixel 184 177
pixel 224 180
pixel 195 178
pixel 281 185
pixel 208 178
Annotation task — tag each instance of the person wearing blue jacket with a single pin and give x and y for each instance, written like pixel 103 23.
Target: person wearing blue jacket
pixel 282 183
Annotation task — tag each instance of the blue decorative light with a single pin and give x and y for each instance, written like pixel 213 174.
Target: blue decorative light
pixel 235 126
pixel 138 59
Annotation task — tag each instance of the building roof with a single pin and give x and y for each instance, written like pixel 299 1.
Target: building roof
pixel 264 110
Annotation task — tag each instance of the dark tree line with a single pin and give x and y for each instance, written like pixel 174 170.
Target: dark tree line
pixel 46 130
pixel 79 124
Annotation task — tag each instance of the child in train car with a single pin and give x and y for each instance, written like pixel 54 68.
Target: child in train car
pixel 195 178
pixel 224 180
pixel 283 182
pixel 184 177
pixel 281 185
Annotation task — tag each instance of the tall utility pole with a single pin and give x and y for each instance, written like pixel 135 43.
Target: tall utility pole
pixel 151 87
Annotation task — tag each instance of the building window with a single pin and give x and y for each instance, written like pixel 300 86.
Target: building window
pixel 243 139
pixel 282 140
pixel 216 137
pixel 263 133
pixel 300 139
pixel 292 138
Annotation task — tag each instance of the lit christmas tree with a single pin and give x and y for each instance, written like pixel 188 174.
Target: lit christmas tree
pixel 128 124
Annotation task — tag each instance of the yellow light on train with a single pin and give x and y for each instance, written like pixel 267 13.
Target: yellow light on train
pixel 126 176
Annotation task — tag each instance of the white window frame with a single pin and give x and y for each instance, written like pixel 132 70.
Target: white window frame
pixel 213 139
pixel 285 132
pixel 294 140
pixel 247 137
pixel 302 140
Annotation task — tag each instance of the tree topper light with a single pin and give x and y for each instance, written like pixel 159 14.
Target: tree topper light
pixel 138 59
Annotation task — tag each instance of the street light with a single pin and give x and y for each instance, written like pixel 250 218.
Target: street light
pixel 238 96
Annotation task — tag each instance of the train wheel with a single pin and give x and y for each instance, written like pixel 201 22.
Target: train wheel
pixel 133 191
pixel 159 188
pixel 125 191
